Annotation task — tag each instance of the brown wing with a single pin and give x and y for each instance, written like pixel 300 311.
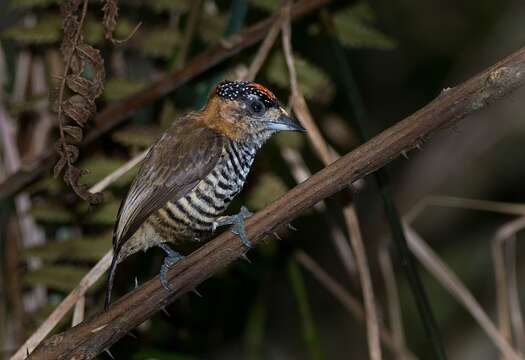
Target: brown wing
pixel 175 164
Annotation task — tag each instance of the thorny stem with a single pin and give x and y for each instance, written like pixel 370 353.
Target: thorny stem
pixel 98 333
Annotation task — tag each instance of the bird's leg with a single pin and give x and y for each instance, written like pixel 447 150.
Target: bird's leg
pixel 171 258
pixel 238 225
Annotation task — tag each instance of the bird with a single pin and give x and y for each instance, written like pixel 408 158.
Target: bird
pixel 193 171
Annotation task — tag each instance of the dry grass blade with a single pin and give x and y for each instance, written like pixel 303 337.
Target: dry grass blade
pixel 392 295
pixel 87 281
pixel 514 299
pixel 264 49
pixel 464 203
pixel 351 304
pixel 327 156
pixel 507 298
pixel 78 313
pixel 453 284
pixel 372 325
pixel 63 308
pixel 300 173
pixel 115 175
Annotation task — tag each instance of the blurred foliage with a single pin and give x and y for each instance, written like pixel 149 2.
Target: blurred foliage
pixel 266 310
pixel 355 27
pixel 118 88
pixel 57 277
pixel 44 31
pixel 267 188
pixel 88 248
pixel 313 82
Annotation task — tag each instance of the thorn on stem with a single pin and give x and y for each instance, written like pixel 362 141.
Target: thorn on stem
pixel 109 353
pixel 245 258
pixel 196 292
pixel 166 312
pixel 404 153
pixel 291 227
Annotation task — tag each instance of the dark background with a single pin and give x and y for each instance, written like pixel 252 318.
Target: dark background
pixel 402 54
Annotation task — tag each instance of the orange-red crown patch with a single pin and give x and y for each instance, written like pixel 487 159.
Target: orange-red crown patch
pixel 234 90
pixel 264 90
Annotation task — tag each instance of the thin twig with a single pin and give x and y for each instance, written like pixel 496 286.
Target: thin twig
pixel 78 313
pixel 507 297
pixel 189 32
pixel 514 298
pixel 372 325
pixel 351 304
pixel 264 49
pixel 300 173
pixel 392 295
pixel 455 287
pixel 464 203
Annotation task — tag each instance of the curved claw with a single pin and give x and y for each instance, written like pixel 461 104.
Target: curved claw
pixel 171 258
pixel 238 224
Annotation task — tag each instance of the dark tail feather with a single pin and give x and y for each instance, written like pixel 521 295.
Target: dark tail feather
pixel 109 285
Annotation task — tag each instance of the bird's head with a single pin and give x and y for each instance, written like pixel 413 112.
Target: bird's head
pixel 244 110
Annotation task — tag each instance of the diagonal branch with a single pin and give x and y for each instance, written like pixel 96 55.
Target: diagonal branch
pixel 98 333
pixel 117 113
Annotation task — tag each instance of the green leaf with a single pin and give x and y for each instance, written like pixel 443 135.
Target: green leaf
pixel 267 5
pixel 310 337
pixel 171 6
pixel 103 215
pixel 84 248
pixel 160 42
pixel 118 88
pixel 16 4
pixel 58 277
pixel 313 81
pixel 268 188
pixel 254 333
pixel 290 139
pixel 139 136
pixel 51 213
pixel 94 31
pixel 48 184
pixel 355 30
pixel 45 31
pixel 215 26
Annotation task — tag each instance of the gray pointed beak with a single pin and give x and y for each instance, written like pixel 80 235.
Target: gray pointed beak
pixel 284 123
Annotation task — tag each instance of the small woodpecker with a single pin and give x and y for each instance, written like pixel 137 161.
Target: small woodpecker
pixel 194 170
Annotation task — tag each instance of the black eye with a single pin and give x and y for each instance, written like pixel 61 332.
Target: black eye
pixel 257 107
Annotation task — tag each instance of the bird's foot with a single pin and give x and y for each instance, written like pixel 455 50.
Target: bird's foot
pixel 171 258
pixel 238 225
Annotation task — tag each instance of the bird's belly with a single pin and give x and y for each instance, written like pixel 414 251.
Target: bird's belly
pixel 191 218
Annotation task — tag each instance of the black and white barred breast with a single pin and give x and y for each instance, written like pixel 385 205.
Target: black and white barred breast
pixel 192 216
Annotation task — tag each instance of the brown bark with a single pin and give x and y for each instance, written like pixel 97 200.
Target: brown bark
pixel 91 337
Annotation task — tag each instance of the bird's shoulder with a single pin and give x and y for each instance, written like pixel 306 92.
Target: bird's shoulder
pixel 177 161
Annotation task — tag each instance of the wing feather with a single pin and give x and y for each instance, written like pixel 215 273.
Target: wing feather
pixel 174 165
